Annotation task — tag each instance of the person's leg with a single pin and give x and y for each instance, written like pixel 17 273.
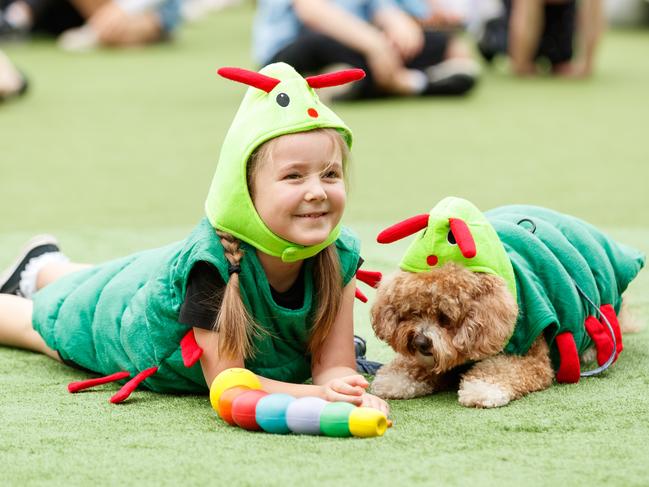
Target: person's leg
pixel 312 52
pixel 525 27
pixel 557 40
pixel 16 328
pixel 448 64
pixel 55 270
pixel 12 82
pixel 39 263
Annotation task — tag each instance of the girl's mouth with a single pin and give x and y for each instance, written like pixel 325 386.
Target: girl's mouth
pixel 312 215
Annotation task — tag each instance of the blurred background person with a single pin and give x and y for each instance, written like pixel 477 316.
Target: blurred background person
pixel 12 82
pixel 399 56
pixel 563 33
pixel 83 24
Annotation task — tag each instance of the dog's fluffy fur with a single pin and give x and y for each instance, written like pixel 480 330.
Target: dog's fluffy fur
pixel 440 320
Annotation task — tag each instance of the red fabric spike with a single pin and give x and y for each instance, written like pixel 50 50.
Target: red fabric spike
pixel 608 311
pixel 360 296
pixel 189 349
pixel 569 368
pixel 403 229
pixel 87 384
pixel 463 237
pixel 371 278
pixel 250 78
pixel 132 384
pixel 601 338
pixel 335 79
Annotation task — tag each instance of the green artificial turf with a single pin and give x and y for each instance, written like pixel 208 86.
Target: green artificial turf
pixel 114 151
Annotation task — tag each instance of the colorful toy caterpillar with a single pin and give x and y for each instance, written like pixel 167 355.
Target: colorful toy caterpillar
pixel 237 398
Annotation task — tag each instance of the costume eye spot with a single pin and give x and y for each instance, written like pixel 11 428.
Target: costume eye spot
pixel 451 238
pixel 283 100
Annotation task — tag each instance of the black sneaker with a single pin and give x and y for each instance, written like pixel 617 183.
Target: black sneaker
pixel 360 346
pixel 452 77
pixel 363 365
pixel 37 246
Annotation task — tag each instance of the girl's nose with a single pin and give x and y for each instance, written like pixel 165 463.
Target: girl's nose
pixel 315 191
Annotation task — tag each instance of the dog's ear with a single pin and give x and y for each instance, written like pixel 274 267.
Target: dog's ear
pixel 383 314
pixel 489 320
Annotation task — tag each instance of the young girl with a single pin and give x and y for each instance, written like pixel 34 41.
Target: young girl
pixel 266 281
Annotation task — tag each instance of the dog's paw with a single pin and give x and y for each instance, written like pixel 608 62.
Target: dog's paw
pixel 399 387
pixel 481 394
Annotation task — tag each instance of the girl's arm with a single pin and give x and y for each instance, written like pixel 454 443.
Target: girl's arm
pixel 336 369
pixel 334 377
pixel 345 386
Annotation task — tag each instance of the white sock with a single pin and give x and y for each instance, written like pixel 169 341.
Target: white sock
pixel 30 274
pixel 419 80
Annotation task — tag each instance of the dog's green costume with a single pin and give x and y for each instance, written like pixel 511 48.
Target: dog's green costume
pixel 121 318
pixel 562 271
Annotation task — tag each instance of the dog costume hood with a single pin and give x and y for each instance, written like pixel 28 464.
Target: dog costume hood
pixel 456 231
pixel 279 102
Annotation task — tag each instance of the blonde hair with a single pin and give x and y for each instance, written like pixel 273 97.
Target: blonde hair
pixel 234 323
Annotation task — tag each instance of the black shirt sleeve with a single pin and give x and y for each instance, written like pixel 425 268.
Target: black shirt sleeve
pixel 203 296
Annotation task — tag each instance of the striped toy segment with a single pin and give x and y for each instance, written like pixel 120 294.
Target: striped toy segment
pixel 271 413
pixel 225 403
pixel 244 409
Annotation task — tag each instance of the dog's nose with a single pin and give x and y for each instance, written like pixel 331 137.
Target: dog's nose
pixel 422 343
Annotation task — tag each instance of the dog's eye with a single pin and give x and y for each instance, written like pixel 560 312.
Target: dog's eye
pixel 451 238
pixel 443 319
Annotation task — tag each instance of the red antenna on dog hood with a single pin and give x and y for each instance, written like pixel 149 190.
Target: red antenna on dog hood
pixel 403 229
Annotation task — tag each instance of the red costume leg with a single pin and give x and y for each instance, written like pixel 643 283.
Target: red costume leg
pixel 360 296
pixel 371 278
pixel 132 384
pixel 608 311
pixel 86 384
pixel 189 349
pixel 601 337
pixel 569 368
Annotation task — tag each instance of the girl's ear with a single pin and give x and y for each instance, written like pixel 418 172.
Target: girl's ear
pixel 250 78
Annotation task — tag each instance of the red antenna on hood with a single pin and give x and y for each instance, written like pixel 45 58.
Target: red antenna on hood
pixel 403 229
pixel 336 78
pixel 463 237
pixel 250 78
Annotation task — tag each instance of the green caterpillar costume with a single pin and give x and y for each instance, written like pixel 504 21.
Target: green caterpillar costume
pixel 121 318
pixel 561 270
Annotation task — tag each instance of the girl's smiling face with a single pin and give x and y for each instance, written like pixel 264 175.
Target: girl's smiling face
pixel 298 188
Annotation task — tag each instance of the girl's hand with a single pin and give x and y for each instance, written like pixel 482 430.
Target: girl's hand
pixel 372 401
pixel 346 389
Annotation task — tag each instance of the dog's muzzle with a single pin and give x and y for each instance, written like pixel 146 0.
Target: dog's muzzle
pixel 421 344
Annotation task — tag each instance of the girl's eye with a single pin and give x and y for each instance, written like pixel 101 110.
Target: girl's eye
pixel 283 100
pixel 292 175
pixel 331 175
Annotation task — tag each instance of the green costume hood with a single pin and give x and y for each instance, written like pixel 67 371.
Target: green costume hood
pixel 279 102
pixel 456 231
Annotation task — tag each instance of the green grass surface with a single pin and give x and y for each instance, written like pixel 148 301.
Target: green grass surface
pixel 114 151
